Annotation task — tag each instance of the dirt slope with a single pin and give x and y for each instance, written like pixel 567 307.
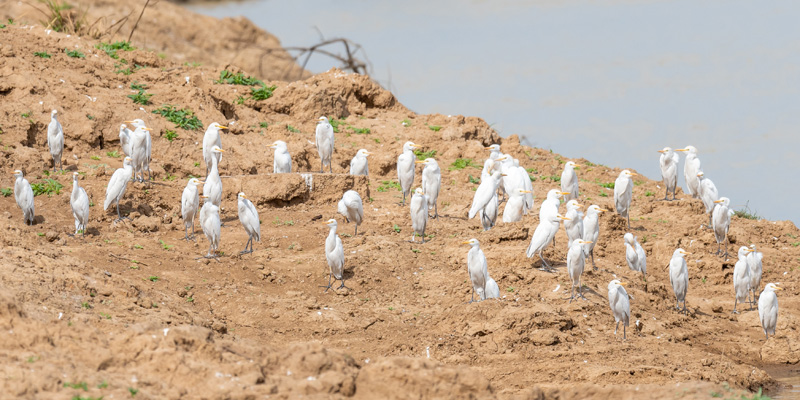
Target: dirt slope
pixel 129 306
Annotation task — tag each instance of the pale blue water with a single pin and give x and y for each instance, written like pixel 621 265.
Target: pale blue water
pixel 611 82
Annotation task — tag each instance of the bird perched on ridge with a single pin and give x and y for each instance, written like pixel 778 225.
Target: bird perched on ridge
pixel 669 161
pixel 708 193
pixel 419 214
pixel 741 278
pixel 576 261
pixel 213 184
pixel 139 153
pixel 513 211
pixel 591 229
pixel 768 308
pixel 125 139
pixel 478 269
pixel 210 139
pixel 543 235
pixel 55 139
pixel 190 204
pixel 282 160
pixel 679 277
pixel 405 168
pixel 352 208
pixel 483 195
pixel 148 147
pixel 623 193
pixel 620 306
pixel 23 194
pixel 431 182
pixel 635 255
pixel 569 181
pixel 79 202
pixel 211 224
pixel 324 142
pixel 334 253
pixel 117 186
pixel 573 226
pixel 248 216
pixel 691 167
pixel 755 268
pixel 359 165
pixel 721 222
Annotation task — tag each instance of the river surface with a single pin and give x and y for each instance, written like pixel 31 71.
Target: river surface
pixel 610 81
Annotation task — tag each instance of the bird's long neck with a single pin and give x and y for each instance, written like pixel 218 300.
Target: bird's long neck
pixel 214 162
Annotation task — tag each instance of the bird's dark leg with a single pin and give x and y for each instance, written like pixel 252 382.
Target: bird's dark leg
pixel 343 286
pixel 592 254
pixel 666 194
pixel 329 282
pixel 404 197
pixel 735 301
pixel 624 332
pixel 436 210
pixel 628 216
pixel 572 293
pixel 330 168
pixel 616 327
pixel 356 233
pixel 186 233
pixel 249 240
pixel 321 166
pixel 545 265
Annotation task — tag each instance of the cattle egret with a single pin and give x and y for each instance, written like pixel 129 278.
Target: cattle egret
pixel 210 139
pixel 679 277
pixel 23 194
pixel 79 201
pixel 576 260
pixel 741 278
pixel 55 139
pixel 591 229
pixel 352 208
pixel 359 164
pixel 117 185
pixel 635 255
pixel 623 192
pixel 190 204
pixel 721 222
pixel 324 142
pixel 478 269
pixel 768 308
pixel 569 181
pixel 754 265
pixel 620 306
pixel 248 216
pixel 419 214
pixel 691 166
pixel 405 168
pixel 282 160
pixel 431 182
pixel 334 253
pixel 669 161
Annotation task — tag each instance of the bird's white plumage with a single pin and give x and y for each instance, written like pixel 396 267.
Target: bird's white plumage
pixel 478 268
pixel 125 139
pixel 55 139
pixel 569 181
pixel 679 275
pixel 623 193
pixel 668 162
pixel 483 195
pixel 324 142
pixel 282 160
pixel 334 251
pixel 492 289
pixel 419 213
pixel 212 138
pixel 248 216
pixel 352 208
pixel 755 267
pixel 543 234
pixel 620 304
pixel 359 165
pixel 118 184
pixel 721 219
pixel 431 182
pixel 691 167
pixel 211 224
pixel 591 228
pixel 550 204
pixel 514 206
pixel 405 168
pixel 635 255
pixel 139 155
pixel 190 204
pixel 23 194
pixel 489 213
pixel 741 277
pixel 213 186
pixel 768 308
pixel 707 191
pixel 576 261
pixel 574 225
pixel 79 202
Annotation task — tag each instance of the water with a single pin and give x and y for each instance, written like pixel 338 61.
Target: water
pixel 788 375
pixel 612 82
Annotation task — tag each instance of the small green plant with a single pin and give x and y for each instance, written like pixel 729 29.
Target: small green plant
pixel 237 79
pixel 406 122
pixel 183 118
pixel 421 155
pixel 78 385
pixel 74 53
pixel 141 97
pixel 102 385
pixel 153 278
pixel 90 117
pixel 554 178
pixel 42 54
pixel 386 185
pixel 262 93
pixel 32 359
pixel 113 154
pixel 95 157
pixel 190 299
pixel 602 194
pixel 26 114
pixel 746 213
pixel 415 250
pixel 105 315
pixel 164 245
pixel 40 234
pixel 6 192
pixel 361 131
pixel 133 391
pixel 292 129
pixel 649 193
pixel 170 135
pixel 335 123
pixel 86 305
pixel 510 290
pixel 138 246
pixel 473 180
pixel 461 163
pixel 435 128
pixel 263 124
pixel 48 186
pixel 608 185
pixel 396 228
pixel 111 48
pixel 192 64
pixel 795 244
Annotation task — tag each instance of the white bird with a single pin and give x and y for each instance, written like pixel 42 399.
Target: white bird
pixel 478 269
pixel 620 306
pixel 210 139
pixel 635 255
pixel 352 208
pixel 494 151
pixel 768 308
pixel 489 213
pixel 148 146
pixel 23 194
pixel 515 177
pixel 669 161
pixel 522 174
pixel 190 204
pixel 623 193
pixel 213 184
pixel 79 201
pixel 576 260
pixel 551 203
pixel 324 143
pixel 754 265
pixel 679 277
pixel 741 278
pixel 708 193
pixel 419 214
pixel 431 182
pixel 282 161
pixel 334 253
pixel 569 181
pixel 139 154
pixel 543 235
pixel 721 222
pixel 55 139
pixel 691 166
pixel 405 168
pixel 573 226
pixel 248 216
pixel 514 207
pixel 483 195
pixel 211 224
pixel 591 229
pixel 117 185
pixel 494 154
pixel 359 165
pixel 125 139
pixel 492 289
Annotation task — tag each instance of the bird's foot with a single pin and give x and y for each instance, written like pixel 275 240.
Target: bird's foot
pixel 245 251
pixel 326 288
pixel 343 286
pixel 734 312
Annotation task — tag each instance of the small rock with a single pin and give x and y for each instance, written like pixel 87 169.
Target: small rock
pixel 717 309
pixel 51 236
pixel 706 362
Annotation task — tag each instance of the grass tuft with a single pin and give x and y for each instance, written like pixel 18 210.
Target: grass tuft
pixel 461 163
pixel 48 186
pixel 111 48
pixel 74 53
pixel 421 155
pixel 183 118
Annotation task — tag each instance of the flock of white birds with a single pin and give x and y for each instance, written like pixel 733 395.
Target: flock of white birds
pixel 501 176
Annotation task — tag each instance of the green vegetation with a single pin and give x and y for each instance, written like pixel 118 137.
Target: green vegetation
pixel 553 178
pixel 360 131
pixel 649 193
pixel 170 135
pixel 192 64
pixel 237 79
pixel 111 48
pixel 746 213
pixel 133 391
pixel 141 97
pixel 262 93
pixel 406 122
pixel 386 185
pixel 6 192
pixel 263 124
pixel 164 245
pixel 183 118
pixel 79 385
pixel 86 305
pixel 42 54
pixel 292 129
pixel 421 155
pixel 153 278
pixel 473 180
pixel 461 163
pixel 74 53
pixel 435 128
pixel 95 157
pixel 113 154
pixel 608 185
pixel 90 117
pixel 48 186
pixel 602 194
pixel 335 123
pixel 396 228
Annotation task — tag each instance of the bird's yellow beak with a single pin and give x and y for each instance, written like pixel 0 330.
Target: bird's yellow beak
pixel 682 150
pixel 416 146
pixel 244 197
pixel 685 252
pixel 750 250
pixel 367 153
pixel 467 242
pixel 563 193
pixel 778 288
pixel 700 174
pixel 586 242
pixel 633 174
pixel 526 191
pixel 717 201
pixel 419 162
pixel 128 122
pixel 146 129
pixel 664 151
pixel 221 151
pixel 623 283
pixel 564 218
pixel 273 146
pixel 602 209
pixel 579 205
pixel 224 127
pixel 204 196
pixel 503 175
pixel 202 181
pixel 488 147
pixel 501 158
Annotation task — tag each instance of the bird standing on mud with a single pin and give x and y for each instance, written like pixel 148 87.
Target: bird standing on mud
pixel 691 167
pixel 352 208
pixel 620 306
pixel 573 226
pixel 669 161
pixel 768 308
pixel 635 255
pixel 117 186
pixel 543 235
pixel 210 139
pixel 324 142
pixel 55 140
pixel 708 193
pixel 143 162
pixel 721 222
pixel 248 216
pixel 576 261
pixel 484 194
pixel 359 165
pixel 125 139
pixel 23 194
pixel 569 181
pixel 190 204
pixel 213 184
pixel 679 277
pixel 211 224
pixel 282 160
pixel 419 214
pixel 492 289
pixel 591 229
pixel 405 168
pixel 431 182
pixel 478 269
pixel 513 210
pixel 754 265
pixel 741 278
pixel 79 201
pixel 334 253
pixel 623 193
